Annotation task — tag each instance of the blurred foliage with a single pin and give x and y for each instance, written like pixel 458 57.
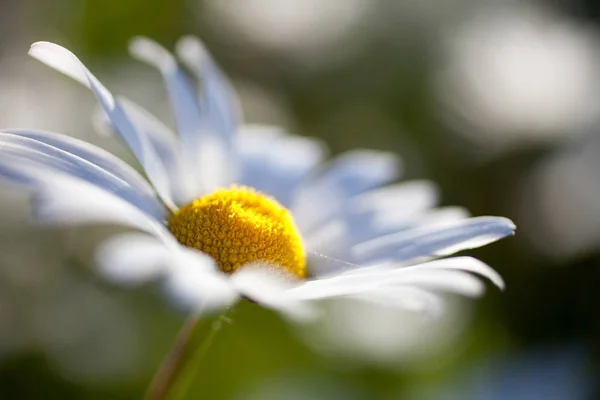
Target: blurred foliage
pixel 104 28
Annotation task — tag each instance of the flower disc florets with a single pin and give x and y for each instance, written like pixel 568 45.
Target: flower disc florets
pixel 237 226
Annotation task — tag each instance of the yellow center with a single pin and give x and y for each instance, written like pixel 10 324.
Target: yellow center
pixel 237 226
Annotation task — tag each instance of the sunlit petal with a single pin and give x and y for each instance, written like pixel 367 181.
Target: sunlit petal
pixel 88 164
pixel 435 240
pixel 132 258
pixel 66 62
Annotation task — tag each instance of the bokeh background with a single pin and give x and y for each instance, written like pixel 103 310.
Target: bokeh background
pixel 497 101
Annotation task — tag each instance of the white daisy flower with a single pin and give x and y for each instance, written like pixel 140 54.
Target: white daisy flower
pixel 220 201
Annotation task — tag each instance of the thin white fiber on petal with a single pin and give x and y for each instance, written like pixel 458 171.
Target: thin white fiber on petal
pixel 66 62
pixel 270 289
pixel 195 282
pixel 24 145
pixel 132 258
pixel 435 240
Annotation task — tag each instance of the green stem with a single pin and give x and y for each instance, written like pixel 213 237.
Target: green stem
pixel 176 372
pixel 189 372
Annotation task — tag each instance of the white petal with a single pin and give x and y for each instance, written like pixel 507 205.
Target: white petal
pixel 62 199
pixel 195 282
pixel 73 202
pixel 132 258
pixel 270 290
pixel 380 224
pixel 218 97
pixel 61 60
pixel 24 145
pixel 66 62
pixel 330 247
pixel 205 146
pixel 183 181
pixel 409 298
pixel 275 162
pixel 373 214
pixel 468 264
pixel 404 199
pixel 436 240
pixel 164 141
pixel 89 152
pixel 324 195
pixel 373 279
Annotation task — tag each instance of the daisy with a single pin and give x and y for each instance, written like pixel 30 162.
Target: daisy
pixel 231 212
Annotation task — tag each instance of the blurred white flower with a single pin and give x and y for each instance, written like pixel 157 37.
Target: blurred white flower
pixel 309 30
pixel 558 200
pixel 210 243
pixel 519 75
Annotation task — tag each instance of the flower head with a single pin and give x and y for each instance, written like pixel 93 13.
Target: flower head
pixel 289 232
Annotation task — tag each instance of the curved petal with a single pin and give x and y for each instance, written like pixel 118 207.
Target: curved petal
pixel 467 264
pixel 443 239
pixel 66 200
pixel 217 96
pixel 206 147
pixel 409 298
pixel 195 282
pixel 372 214
pixel 275 162
pixel 270 290
pixel 66 62
pixel 167 146
pixel 82 161
pixel 337 238
pixel 132 258
pixel 324 195
pixel 375 280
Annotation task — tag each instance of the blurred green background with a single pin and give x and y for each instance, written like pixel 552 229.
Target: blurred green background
pixel 496 101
